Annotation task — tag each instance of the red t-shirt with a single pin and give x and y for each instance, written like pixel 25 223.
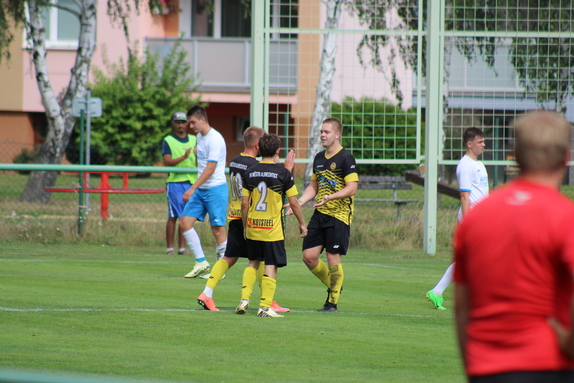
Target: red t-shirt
pixel 515 253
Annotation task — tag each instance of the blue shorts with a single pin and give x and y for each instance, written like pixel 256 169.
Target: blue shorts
pixel 212 201
pixel 175 203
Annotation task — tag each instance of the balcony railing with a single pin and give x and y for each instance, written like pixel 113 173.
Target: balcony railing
pixel 224 65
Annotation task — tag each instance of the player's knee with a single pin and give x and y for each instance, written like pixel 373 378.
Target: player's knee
pixel 310 260
pixel 184 224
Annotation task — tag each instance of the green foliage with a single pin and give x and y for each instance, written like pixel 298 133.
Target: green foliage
pixel 26 156
pixel 12 13
pixel 138 99
pixel 377 129
pixel 544 64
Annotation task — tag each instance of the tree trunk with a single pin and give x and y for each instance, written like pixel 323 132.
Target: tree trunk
pixel 325 84
pixel 58 113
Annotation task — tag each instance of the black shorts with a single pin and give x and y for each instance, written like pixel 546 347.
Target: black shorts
pixel 329 232
pixel 526 377
pixel 272 253
pixel 236 245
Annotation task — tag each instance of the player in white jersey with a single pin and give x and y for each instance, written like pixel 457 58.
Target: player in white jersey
pixel 473 186
pixel 209 193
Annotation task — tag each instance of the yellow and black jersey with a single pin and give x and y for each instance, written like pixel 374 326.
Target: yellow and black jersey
pixel 266 184
pixel 332 175
pixel 237 169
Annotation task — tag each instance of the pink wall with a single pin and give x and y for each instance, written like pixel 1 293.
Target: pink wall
pixel 110 40
pixel 353 80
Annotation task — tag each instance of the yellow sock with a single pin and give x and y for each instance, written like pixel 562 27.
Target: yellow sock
pixel 249 277
pixel 268 287
pixel 260 272
pixel 337 277
pixel 322 272
pixel 217 272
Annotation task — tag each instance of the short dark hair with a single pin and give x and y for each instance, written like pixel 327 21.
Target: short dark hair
pixel 268 145
pixel 335 122
pixel 471 133
pixel 198 111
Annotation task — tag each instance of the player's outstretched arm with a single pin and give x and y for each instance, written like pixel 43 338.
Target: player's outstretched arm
pixel 296 208
pixel 307 195
pixel 349 190
pixel 290 161
pixel 244 210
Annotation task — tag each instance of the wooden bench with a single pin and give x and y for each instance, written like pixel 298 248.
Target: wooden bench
pixel 386 182
pixel 442 187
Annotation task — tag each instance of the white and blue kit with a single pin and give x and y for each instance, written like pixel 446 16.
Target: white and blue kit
pixel 212 196
pixel 473 178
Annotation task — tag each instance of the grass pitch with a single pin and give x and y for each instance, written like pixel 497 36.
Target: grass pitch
pixel 110 312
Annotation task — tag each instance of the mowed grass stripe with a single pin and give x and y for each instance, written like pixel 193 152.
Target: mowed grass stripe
pixel 124 312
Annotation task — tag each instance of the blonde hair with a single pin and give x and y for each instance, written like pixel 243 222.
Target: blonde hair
pixel 252 135
pixel 542 141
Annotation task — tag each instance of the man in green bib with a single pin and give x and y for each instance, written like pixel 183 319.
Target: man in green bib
pixel 178 151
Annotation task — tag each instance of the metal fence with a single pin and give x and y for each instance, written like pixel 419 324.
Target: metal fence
pixel 405 77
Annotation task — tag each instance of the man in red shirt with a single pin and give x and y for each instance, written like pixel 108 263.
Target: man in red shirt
pixel 514 255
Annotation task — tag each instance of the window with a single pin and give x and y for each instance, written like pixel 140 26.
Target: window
pixel 232 18
pixel 235 19
pixel 201 19
pixel 62 27
pixel 241 123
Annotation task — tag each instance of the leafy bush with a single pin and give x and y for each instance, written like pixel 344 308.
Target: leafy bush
pixel 377 129
pixel 139 98
pixel 26 156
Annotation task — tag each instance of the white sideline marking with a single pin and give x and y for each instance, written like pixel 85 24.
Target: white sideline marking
pixel 165 262
pixel 388 266
pixel 203 310
pixel 79 261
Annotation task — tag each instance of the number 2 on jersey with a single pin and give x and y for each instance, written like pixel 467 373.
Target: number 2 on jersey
pixel 261 204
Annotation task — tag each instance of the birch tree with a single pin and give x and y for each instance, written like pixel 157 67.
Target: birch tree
pixel 544 65
pixel 325 84
pixel 15 14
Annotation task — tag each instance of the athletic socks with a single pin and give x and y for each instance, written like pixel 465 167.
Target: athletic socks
pixel 217 272
pixel 337 277
pixel 445 281
pixel 268 287
pixel 194 243
pixel 220 250
pixel 208 291
pixel 322 272
pixel 260 273
pixel 249 278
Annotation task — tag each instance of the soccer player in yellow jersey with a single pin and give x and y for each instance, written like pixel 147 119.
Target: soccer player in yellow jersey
pixel 264 187
pixel 333 183
pixel 236 245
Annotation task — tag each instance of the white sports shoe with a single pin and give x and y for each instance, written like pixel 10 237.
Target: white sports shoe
pixel 268 312
pixel 243 306
pixel 206 276
pixel 198 269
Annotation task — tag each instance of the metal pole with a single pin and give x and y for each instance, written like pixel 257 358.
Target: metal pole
pixel 434 106
pixel 87 113
pixel 257 63
pixel 81 187
pixel 495 153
